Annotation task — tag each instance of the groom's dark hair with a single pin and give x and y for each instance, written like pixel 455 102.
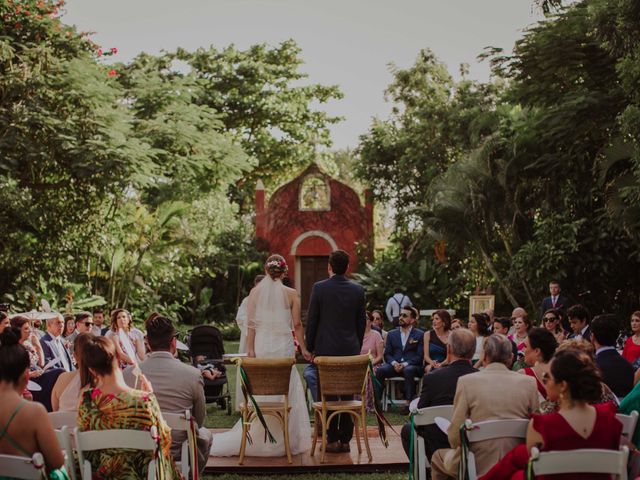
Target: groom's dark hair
pixel 339 261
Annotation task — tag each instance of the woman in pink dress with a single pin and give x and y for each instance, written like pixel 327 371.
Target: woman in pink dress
pixel 372 344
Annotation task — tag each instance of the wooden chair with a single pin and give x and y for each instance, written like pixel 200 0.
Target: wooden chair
pixel 64 419
pixel 181 422
pixel 423 417
pixel 341 376
pixel 629 423
pixel 491 430
pixel 588 460
pixel 107 439
pixel 27 468
pixel 267 376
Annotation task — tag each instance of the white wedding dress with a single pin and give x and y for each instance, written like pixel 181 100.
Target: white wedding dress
pixel 270 315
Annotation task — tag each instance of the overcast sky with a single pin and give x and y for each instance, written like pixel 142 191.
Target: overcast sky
pixel 344 42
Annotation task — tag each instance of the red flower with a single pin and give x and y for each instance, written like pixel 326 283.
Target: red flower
pixel 112 73
pixel 99 52
pixel 17 26
pixel 114 50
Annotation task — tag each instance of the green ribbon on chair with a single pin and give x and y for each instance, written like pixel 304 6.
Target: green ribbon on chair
pixel 377 406
pixel 193 448
pixel 248 397
pixel 463 467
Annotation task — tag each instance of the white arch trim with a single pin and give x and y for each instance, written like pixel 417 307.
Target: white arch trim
pixel 313 233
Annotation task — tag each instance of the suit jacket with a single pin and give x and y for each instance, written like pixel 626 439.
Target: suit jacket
pixel 48 350
pixel 617 372
pixel 586 336
pixel 562 303
pixel 439 388
pixel 336 318
pixel 476 399
pixel 413 351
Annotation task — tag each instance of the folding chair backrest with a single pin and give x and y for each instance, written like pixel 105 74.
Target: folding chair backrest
pixel 181 422
pixel 588 460
pixel 492 429
pixel 427 415
pixel 64 439
pixel 342 375
pixel 64 419
pixel 107 439
pixel 629 423
pixel 26 468
pixel 268 376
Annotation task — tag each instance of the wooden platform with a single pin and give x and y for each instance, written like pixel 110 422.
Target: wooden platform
pixel 384 459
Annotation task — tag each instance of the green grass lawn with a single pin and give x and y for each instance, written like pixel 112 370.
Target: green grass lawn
pixel 218 418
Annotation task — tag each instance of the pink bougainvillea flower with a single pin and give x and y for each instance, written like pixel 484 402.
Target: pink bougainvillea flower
pixel 99 52
pixel 17 26
pixel 112 73
pixel 114 50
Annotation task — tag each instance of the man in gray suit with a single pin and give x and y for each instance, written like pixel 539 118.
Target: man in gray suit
pixel 177 386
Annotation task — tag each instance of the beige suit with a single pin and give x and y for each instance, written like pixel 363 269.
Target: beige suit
pixel 494 393
pixel 178 387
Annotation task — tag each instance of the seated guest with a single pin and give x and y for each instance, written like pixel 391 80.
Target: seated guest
pixel 66 391
pixel 631 351
pixel 540 346
pixel 404 352
pixel 45 379
pixel 176 385
pixel 502 325
pixel 574 382
pixel 457 323
pixel 629 403
pixel 4 321
pixel 439 388
pixel 378 324
pixel 127 341
pixel 373 345
pixel 84 324
pixel 617 373
pixel 110 404
pixel 25 426
pixel 579 320
pixel 98 322
pixel 476 399
pixel 479 326
pixel 69 333
pixel 551 321
pixel 521 326
pixel 435 340
pixel 54 346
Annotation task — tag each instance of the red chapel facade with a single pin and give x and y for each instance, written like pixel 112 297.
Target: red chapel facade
pixel 309 217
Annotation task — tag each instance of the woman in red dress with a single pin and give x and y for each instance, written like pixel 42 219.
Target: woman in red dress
pixel 631 349
pixel 574 382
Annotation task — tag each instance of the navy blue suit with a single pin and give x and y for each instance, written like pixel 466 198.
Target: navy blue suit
pixel 562 303
pixel 335 327
pixel 412 354
pixel 617 373
pixel 48 351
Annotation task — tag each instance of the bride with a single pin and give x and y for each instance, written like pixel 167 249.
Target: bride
pixel 273 312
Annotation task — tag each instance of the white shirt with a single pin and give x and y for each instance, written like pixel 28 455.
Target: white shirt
pixel 405 336
pixel 602 349
pixel 395 304
pixel 61 352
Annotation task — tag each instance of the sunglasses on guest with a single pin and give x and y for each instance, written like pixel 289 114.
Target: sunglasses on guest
pixel 550 319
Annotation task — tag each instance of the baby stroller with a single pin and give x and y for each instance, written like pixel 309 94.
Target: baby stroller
pixel 206 341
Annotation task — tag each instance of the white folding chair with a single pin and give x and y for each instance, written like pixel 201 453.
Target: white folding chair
pixel 24 468
pixel 389 392
pixel 423 417
pixel 629 423
pixel 491 430
pixel 64 419
pixel 588 460
pixel 106 439
pixel 181 422
pixel 64 439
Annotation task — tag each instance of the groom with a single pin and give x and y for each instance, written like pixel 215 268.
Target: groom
pixel 335 327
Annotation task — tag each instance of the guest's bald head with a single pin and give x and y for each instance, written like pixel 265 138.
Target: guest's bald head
pixel 462 343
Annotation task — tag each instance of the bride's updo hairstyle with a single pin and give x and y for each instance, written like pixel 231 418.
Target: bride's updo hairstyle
pixel 276 266
pixel 14 358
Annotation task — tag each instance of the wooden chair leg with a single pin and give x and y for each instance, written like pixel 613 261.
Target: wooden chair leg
pixel 356 427
pixel 243 440
pixel 287 448
pixel 316 426
pixel 323 450
pixel 363 421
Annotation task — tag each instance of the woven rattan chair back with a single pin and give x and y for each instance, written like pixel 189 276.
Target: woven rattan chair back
pixel 268 376
pixel 342 375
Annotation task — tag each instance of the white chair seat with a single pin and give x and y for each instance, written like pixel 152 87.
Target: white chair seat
pixel 181 422
pixel 64 419
pixel 629 423
pixel 426 416
pixel 24 468
pixel 588 460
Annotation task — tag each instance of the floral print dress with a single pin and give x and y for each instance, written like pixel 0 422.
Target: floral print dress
pixel 135 410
